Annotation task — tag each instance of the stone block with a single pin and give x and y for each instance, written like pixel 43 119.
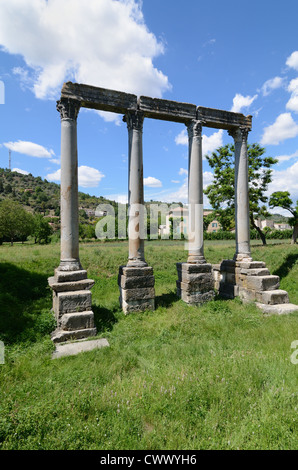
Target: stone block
pixel 70 285
pixel 255 272
pixel 279 309
pixel 131 306
pixel 72 302
pixel 136 282
pixel 197 298
pixel 273 297
pixel 77 321
pixel 61 336
pixel 246 295
pixel 250 264
pixel 71 349
pixel 262 283
pixel 135 272
pixel 166 109
pixel 194 268
pixel 142 293
pixel 70 276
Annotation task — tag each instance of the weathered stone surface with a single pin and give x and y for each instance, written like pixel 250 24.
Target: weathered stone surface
pixel 71 349
pixel 70 276
pixel 223 119
pixel 100 98
pixel 279 309
pixel 255 272
pixel 246 295
pixel 273 297
pixel 195 298
pixel 250 264
pixel 136 282
pixel 262 283
pixel 60 336
pixel 201 285
pixel 71 285
pixel 77 321
pixel 166 109
pixel 137 305
pixel 142 293
pixel 194 268
pixel 135 272
pixel 71 302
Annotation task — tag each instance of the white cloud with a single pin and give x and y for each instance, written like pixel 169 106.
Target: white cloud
pixel 292 60
pixel 88 177
pixel 103 43
pixel 121 198
pixel 22 172
pixel 285 158
pixel 152 182
pixel 56 161
pixel 212 142
pixel 182 138
pixel 29 148
pixel 285 180
pixel 283 128
pixel 183 171
pixel 292 104
pixel 175 181
pixel 272 84
pixel 240 101
pixel 209 143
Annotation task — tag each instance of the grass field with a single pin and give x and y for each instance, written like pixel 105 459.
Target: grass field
pixel 212 377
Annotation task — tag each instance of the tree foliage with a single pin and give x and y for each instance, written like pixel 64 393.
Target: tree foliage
pixel 15 221
pixel 282 199
pixel 221 192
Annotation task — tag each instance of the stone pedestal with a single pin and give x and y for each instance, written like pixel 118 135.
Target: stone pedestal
pixel 252 282
pixel 136 285
pixel 72 305
pixel 195 283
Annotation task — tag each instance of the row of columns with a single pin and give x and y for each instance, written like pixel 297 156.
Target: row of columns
pixel 70 261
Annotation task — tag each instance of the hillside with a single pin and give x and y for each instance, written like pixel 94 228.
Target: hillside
pixel 38 195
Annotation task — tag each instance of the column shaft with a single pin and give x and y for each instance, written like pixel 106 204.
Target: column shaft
pixel 195 194
pixel 136 232
pixel 69 186
pixel 242 225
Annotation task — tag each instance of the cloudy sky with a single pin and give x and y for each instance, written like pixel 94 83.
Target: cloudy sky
pixel 233 55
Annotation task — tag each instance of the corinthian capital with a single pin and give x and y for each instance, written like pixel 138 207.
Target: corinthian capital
pixel 194 128
pixel 68 108
pixel 134 120
pixel 239 134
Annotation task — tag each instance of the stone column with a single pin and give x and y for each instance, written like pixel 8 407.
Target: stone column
pixel 136 256
pixel 69 110
pixel 136 280
pixel 195 280
pixel 242 225
pixel 71 288
pixel 195 194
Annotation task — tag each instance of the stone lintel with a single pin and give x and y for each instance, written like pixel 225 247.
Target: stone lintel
pixel 99 98
pixel 166 109
pixel 221 119
pixel 119 102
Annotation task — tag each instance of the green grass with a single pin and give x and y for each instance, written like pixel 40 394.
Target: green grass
pixel 213 377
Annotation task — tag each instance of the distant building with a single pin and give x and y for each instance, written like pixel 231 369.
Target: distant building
pixel 181 227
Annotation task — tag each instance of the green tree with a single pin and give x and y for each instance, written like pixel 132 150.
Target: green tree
pixel 221 192
pixel 15 222
pixel 282 199
pixel 42 229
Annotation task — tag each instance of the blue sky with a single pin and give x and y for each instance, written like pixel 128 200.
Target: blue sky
pixel 232 55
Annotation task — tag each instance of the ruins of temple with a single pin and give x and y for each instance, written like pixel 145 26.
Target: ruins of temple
pixel 197 279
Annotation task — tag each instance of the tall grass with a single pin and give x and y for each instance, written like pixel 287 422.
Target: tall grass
pixel 212 377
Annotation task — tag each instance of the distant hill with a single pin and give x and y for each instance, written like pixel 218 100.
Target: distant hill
pixel 38 195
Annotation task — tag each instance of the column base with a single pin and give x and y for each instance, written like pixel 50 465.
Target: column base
pixel 195 282
pixel 136 285
pixel 70 265
pixel 72 305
